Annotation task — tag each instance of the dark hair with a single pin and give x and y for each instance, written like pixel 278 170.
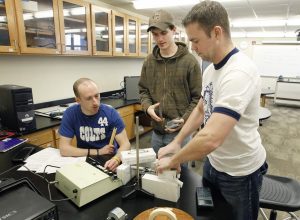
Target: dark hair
pixel 77 83
pixel 170 26
pixel 208 14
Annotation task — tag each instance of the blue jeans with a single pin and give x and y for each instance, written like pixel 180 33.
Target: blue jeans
pixel 240 192
pixel 160 140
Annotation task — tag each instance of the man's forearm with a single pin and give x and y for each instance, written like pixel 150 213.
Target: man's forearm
pixel 196 149
pixel 123 147
pixel 70 151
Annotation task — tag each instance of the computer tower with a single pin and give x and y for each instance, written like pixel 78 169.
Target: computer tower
pixel 131 87
pixel 16 108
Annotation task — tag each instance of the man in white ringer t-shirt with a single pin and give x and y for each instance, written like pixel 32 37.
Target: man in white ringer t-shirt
pixel 229 110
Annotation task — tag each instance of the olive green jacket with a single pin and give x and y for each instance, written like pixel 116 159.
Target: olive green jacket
pixel 175 83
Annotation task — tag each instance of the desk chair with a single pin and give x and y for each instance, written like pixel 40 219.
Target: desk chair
pixel 279 193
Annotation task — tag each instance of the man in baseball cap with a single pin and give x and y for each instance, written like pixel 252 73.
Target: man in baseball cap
pixel 170 83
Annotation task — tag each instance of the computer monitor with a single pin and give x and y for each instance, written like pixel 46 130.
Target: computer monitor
pixel 131 87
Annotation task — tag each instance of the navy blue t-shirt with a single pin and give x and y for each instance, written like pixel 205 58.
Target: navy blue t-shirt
pixel 91 131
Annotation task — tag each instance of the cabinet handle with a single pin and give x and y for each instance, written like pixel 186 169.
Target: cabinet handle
pixel 63 48
pixel 58 48
pixel 15 45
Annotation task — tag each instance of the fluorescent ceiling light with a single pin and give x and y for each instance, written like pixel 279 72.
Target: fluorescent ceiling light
pixel 268 34
pixel 293 22
pixel 265 23
pixel 258 23
pixel 142 4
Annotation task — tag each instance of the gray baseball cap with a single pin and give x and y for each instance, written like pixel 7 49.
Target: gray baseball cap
pixel 161 20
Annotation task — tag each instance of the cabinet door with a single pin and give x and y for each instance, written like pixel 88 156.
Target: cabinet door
pixel 129 125
pixel 118 26
pixel 38 26
pixel 131 36
pixel 8 32
pixel 101 31
pixel 40 138
pixel 75 27
pixel 144 39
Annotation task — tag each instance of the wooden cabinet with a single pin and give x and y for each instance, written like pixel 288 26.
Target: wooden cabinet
pixel 127 114
pixel 131 36
pixel 8 30
pixel 118 24
pixel 125 34
pixel 147 127
pixel 70 27
pixel 44 138
pixel 101 31
pixel 144 39
pixel 54 26
pixel 38 26
pixel 75 27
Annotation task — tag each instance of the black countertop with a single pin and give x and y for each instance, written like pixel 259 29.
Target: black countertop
pixel 99 208
pixel 45 122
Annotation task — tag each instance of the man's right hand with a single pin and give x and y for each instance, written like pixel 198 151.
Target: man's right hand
pixel 153 115
pixel 168 150
pixel 107 149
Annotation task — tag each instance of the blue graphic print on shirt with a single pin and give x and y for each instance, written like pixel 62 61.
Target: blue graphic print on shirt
pixel 208 101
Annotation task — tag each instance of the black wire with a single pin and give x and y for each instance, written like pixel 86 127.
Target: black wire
pixel 43 177
pixel 122 84
pixel 49 183
pixel 44 173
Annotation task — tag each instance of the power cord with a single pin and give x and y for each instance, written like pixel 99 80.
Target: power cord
pixel 122 84
pixel 42 177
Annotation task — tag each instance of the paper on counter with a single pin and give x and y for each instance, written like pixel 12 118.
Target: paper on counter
pixel 48 156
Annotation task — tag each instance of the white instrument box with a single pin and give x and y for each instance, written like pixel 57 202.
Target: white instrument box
pixel 146 155
pixel 83 183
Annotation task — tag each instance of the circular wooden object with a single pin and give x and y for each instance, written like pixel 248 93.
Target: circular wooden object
pixel 181 215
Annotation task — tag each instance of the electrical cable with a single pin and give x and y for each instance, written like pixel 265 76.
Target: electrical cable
pixel 42 177
pixel 122 84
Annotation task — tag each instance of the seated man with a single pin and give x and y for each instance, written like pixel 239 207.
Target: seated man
pixel 92 124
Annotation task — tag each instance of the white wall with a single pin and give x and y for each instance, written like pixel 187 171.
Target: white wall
pixel 52 78
pixel 284 90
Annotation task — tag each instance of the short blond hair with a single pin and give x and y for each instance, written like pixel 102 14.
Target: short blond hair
pixel 78 82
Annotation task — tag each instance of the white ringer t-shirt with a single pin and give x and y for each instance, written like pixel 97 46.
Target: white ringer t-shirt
pixel 233 87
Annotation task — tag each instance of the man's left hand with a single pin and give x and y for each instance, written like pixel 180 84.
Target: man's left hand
pixel 112 164
pixel 165 163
